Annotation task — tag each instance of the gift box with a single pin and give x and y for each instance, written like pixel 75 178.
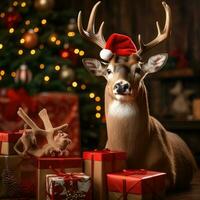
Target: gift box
pixel 49 165
pixel 97 164
pixel 136 185
pixel 13 170
pixel 7 142
pixel 61 107
pixel 68 186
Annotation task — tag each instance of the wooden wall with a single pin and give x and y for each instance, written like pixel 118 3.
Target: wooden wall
pixel 138 16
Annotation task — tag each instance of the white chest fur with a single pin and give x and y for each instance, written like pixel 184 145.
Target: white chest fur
pixel 121 110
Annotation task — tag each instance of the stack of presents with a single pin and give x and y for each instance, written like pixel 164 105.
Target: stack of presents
pixel 53 175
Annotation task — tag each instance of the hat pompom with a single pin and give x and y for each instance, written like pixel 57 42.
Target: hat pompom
pixel 106 54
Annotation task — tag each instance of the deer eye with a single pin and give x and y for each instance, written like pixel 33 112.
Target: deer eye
pixel 109 71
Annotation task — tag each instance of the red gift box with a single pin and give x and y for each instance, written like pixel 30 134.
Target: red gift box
pixel 61 107
pixel 49 165
pixel 65 185
pixel 97 164
pixel 7 142
pixel 136 184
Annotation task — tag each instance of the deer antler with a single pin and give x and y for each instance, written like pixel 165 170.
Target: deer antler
pixel 162 35
pixel 90 34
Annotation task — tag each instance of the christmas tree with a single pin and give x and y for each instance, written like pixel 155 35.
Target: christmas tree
pixel 41 50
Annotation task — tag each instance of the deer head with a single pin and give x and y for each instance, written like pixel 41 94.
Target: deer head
pixel 125 70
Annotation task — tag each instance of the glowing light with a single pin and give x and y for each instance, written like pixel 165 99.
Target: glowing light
pixel 20 52
pixel 64 54
pixel 36 29
pixel 53 38
pixel 41 46
pixel 71 34
pixel 43 21
pixel 42 66
pixel 27 22
pixel 74 84
pixel 2 15
pixel 23 4
pixel 22 40
pixel 32 52
pixel 57 67
pixel 46 78
pixel 15 3
pixel 76 51
pixel 2 72
pixel 91 95
pixel 58 42
pixel 83 86
pixel 98 108
pixel 81 53
pixel 0 78
pixel 11 30
pixel 13 74
pixel 98 115
pixel 97 99
pixel 1 46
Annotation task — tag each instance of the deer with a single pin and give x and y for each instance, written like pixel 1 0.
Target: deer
pixel 57 140
pixel 130 127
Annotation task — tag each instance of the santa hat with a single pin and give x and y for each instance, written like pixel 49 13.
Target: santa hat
pixel 118 44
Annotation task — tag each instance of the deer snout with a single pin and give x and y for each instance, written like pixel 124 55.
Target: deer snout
pixel 122 87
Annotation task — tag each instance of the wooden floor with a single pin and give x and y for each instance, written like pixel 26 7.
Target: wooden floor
pixel 192 194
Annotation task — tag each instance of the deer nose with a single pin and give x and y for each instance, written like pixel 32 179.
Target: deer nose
pixel 122 87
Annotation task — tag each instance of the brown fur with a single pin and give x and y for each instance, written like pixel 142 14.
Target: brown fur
pixel 148 144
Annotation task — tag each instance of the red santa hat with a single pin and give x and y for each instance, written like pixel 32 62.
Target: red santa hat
pixel 118 44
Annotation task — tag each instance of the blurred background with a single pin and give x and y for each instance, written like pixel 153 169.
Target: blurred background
pixel 40 65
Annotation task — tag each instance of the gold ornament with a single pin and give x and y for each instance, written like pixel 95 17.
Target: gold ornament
pixel 44 5
pixel 29 39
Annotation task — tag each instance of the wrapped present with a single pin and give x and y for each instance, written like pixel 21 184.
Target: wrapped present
pixel 136 184
pixel 62 108
pixel 68 186
pixel 49 165
pixel 12 182
pixel 97 164
pixel 7 142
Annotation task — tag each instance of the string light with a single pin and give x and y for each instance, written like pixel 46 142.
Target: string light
pixel 15 3
pixel 2 72
pixel 53 38
pixel 81 53
pixel 11 30
pixel 22 40
pixel 71 34
pixel 76 51
pixel 46 78
pixel 57 67
pixel 32 51
pixel 91 95
pixel 97 99
pixel 13 74
pixel 2 15
pixel 42 66
pixel 20 52
pixel 98 108
pixel 74 84
pixel 1 46
pixel 0 78
pixel 36 29
pixel 83 86
pixel 58 42
pixel 27 22
pixel 98 115
pixel 23 4
pixel 43 21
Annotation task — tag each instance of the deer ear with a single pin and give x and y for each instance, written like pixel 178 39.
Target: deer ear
pixel 155 63
pixel 94 66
